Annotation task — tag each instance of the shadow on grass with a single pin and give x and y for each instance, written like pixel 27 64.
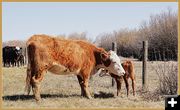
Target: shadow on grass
pixel 103 95
pixel 30 97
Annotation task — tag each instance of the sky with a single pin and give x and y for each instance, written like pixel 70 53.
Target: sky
pixel 22 20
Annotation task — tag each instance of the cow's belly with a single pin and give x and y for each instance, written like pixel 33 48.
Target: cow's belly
pixel 62 70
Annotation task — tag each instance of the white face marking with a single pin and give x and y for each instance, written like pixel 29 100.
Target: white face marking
pixel 115 67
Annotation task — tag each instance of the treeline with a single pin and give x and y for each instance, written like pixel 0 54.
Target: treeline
pixel 161 31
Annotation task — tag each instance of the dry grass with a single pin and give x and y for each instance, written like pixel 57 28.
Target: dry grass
pixel 64 91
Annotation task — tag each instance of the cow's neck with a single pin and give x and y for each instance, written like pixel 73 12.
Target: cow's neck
pixel 97 58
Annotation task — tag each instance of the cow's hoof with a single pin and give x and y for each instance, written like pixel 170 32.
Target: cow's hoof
pixel 89 97
pixel 38 101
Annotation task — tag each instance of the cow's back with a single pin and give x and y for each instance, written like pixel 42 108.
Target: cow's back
pixel 55 51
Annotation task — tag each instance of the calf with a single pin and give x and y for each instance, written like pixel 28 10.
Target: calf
pixel 129 73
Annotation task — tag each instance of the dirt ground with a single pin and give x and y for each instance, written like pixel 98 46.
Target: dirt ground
pixel 63 91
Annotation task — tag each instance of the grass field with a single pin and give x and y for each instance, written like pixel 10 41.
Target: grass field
pixel 64 91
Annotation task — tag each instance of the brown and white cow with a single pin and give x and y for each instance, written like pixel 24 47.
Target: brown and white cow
pixel 63 57
pixel 129 73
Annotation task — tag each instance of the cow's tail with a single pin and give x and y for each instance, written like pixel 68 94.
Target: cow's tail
pixel 30 53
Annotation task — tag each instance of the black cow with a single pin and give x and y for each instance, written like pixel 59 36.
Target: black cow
pixel 11 54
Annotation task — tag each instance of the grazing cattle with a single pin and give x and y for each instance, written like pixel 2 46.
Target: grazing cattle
pixel 11 55
pixel 129 73
pixel 63 57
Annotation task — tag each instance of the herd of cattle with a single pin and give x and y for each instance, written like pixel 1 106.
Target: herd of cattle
pixel 13 56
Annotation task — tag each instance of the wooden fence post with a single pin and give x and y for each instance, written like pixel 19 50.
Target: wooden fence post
pixel 114 48
pixel 144 69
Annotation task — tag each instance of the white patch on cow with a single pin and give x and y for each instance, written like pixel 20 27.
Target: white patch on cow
pixel 61 70
pixel 17 48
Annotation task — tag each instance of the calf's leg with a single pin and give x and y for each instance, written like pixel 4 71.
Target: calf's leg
pixel 118 82
pixel 127 84
pixel 133 86
pixel 132 76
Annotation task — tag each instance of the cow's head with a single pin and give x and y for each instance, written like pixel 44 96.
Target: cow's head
pixel 111 62
pixel 18 51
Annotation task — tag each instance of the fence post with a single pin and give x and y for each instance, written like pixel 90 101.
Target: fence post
pixel 144 69
pixel 114 48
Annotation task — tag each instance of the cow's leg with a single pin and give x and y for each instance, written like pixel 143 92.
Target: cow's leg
pixel 86 88
pixel 36 79
pixel 14 62
pixel 86 76
pixel 4 63
pixel 8 63
pixel 81 84
pixel 127 84
pixel 18 63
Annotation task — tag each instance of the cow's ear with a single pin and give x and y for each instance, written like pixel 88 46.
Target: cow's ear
pixel 104 56
pixel 105 59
